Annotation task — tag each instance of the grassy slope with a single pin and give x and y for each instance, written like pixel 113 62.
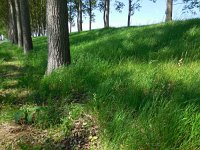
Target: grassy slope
pixel 142 83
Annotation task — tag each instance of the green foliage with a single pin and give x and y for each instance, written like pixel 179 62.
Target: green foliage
pixel 141 83
pixel 28 114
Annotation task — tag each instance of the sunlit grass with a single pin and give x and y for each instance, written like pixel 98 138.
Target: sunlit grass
pixel 141 83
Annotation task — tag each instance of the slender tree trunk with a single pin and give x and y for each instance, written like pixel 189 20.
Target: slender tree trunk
pixel 70 27
pixel 26 28
pixel 43 18
pixel 107 12
pixel 104 18
pixel 58 36
pixel 108 15
pixel 169 10
pixel 104 14
pixel 38 26
pixel 129 13
pixel 90 13
pixel 80 15
pixel 19 24
pixel 12 23
pixel 78 22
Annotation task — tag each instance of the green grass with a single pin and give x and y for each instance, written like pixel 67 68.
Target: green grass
pixel 141 83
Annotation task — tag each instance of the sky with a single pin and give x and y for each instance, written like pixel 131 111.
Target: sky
pixel 150 13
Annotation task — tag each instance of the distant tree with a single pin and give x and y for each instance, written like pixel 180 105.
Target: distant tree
pixel 101 6
pixel 104 6
pixel 107 13
pixel 26 27
pixel 133 5
pixel 58 36
pixel 90 6
pixel 169 10
pixel 71 14
pixel 38 16
pixel 79 11
pixel 19 23
pixel 80 15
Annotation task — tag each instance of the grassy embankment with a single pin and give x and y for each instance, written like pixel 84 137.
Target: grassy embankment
pixel 140 84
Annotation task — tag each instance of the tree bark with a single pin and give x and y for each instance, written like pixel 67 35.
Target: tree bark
pixel 19 24
pixel 12 23
pixel 107 13
pixel 129 13
pixel 104 14
pixel 58 36
pixel 104 17
pixel 169 10
pixel 78 22
pixel 90 14
pixel 26 28
pixel 80 16
pixel 70 21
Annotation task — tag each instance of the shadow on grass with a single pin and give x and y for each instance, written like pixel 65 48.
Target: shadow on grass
pixel 119 100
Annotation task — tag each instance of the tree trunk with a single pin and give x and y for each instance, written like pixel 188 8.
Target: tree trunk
pixel 26 28
pixel 169 10
pixel 90 13
pixel 19 24
pixel 104 14
pixel 70 27
pixel 107 12
pixel 104 18
pixel 12 23
pixel 78 22
pixel 70 20
pixel 80 15
pixel 129 13
pixel 58 36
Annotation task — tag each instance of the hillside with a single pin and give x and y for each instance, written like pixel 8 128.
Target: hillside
pixel 127 88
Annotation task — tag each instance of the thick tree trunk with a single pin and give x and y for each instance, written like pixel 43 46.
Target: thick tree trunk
pixel 90 14
pixel 169 10
pixel 12 23
pixel 19 24
pixel 58 36
pixel 26 28
pixel 129 13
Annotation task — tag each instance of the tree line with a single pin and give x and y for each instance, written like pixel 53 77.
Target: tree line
pixel 78 9
pixel 26 18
